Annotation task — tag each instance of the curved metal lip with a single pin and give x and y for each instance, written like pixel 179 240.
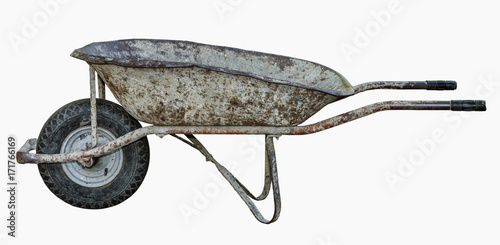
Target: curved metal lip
pixel 87 53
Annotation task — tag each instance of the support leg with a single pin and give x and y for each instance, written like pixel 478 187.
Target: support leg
pixel 271 178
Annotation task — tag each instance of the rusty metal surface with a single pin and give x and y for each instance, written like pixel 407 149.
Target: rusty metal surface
pixel 23 155
pixel 390 85
pixel 164 82
pixel 148 53
pixel 101 88
pixel 428 85
pixel 199 96
pixel 370 109
pixel 83 156
pixel 93 108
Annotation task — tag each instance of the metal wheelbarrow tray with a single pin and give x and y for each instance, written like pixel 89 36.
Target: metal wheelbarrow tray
pixel 93 153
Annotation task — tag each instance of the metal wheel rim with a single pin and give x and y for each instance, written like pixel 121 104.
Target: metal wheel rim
pixel 104 171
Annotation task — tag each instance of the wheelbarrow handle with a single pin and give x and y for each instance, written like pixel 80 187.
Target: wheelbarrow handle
pixel 468 105
pixel 454 105
pixel 429 85
pixel 441 85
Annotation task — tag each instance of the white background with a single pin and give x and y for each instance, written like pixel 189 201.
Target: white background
pixel 334 183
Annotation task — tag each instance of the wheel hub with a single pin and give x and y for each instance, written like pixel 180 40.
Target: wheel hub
pixel 102 170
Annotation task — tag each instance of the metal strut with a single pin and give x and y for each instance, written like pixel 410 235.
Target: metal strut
pixel 271 178
pixel 93 108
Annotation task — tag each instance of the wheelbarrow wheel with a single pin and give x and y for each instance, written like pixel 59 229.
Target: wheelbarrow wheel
pixel 114 177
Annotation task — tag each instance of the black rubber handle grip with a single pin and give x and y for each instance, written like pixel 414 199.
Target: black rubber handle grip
pixel 468 105
pixel 441 85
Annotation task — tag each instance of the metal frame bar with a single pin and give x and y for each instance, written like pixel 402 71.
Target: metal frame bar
pixel 93 108
pixel 429 85
pixel 101 88
pixel 85 156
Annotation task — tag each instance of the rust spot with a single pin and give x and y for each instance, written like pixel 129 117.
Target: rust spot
pixel 235 102
pixel 280 61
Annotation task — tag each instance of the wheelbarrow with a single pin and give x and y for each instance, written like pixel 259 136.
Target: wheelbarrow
pixel 93 153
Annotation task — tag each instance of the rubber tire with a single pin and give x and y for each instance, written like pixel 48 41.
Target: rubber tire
pixel 115 119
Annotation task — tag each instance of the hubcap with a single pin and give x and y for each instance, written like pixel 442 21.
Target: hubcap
pixel 103 171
